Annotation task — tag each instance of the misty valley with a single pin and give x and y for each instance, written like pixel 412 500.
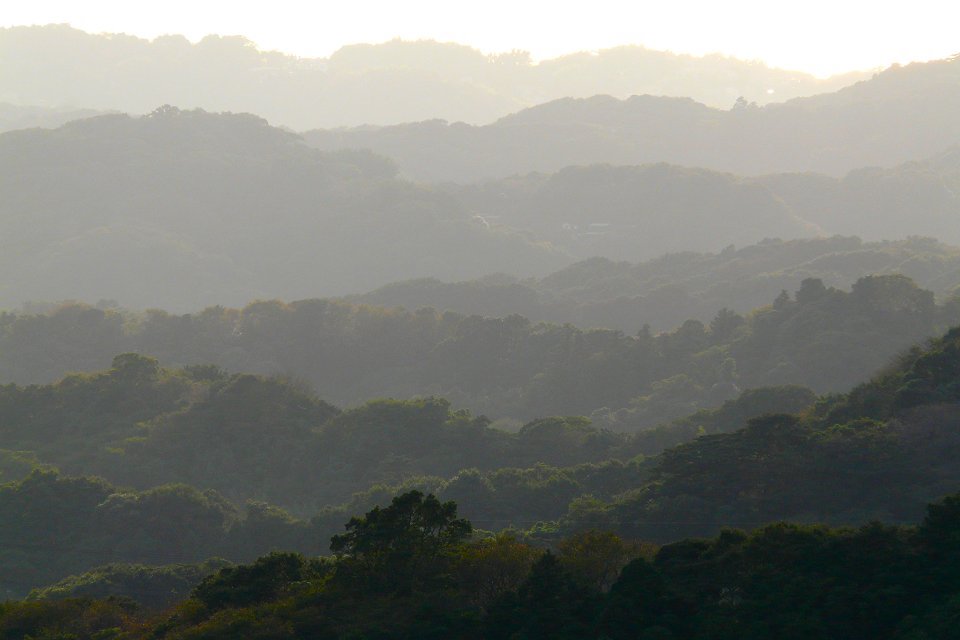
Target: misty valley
pixel 418 342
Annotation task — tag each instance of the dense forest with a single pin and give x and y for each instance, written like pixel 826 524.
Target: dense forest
pixel 413 569
pixel 264 438
pixel 417 341
pixel 881 451
pixel 388 83
pixel 668 290
pixel 823 338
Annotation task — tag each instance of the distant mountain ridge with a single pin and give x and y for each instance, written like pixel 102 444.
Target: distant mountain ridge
pixel 902 114
pixel 384 83
pixel 14 116
pixel 185 208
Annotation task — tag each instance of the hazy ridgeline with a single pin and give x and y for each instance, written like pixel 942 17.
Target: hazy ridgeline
pixel 27 117
pixel 901 114
pixel 360 84
pixel 182 209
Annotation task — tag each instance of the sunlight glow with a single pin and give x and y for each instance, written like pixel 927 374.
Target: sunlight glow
pixel 817 36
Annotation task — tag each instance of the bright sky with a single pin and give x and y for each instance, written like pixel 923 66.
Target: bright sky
pixel 818 36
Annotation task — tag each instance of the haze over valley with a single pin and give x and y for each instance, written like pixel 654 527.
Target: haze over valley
pixel 419 339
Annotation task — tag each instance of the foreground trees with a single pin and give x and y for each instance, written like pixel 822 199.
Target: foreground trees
pixel 401 548
pixel 409 570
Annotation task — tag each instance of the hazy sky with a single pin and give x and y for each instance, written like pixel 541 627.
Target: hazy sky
pixel 819 36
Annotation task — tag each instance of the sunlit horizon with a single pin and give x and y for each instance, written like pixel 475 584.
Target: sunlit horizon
pixel 821 38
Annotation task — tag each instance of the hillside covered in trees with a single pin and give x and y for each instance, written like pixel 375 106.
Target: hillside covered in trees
pixel 670 289
pixel 819 337
pixel 637 212
pixel 413 570
pixel 881 451
pixel 263 438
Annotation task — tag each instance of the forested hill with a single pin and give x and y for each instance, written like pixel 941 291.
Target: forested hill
pixel 901 114
pixel 386 83
pixel 666 291
pixel 185 209
pixel 254 438
pixel 640 212
pixel 509 367
pixel 883 451
pixel 180 210
pixel 414 569
pixel 879 452
pixel 637 212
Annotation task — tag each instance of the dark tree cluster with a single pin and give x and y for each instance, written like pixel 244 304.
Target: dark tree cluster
pixel 411 570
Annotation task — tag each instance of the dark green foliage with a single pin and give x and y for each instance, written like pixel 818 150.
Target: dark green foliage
pixel 263 581
pixel 782 580
pixel 880 452
pixel 401 547
pixel 71 619
pixel 265 439
pixel 849 459
pixel 934 377
pixel 798 581
pixel 730 416
pixel 638 601
pixel 506 497
pixel 153 587
pixel 74 420
pixel 52 527
pixel 549 604
pixel 16 465
pixel 244 438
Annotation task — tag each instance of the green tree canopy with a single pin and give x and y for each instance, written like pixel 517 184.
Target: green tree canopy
pixel 402 544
